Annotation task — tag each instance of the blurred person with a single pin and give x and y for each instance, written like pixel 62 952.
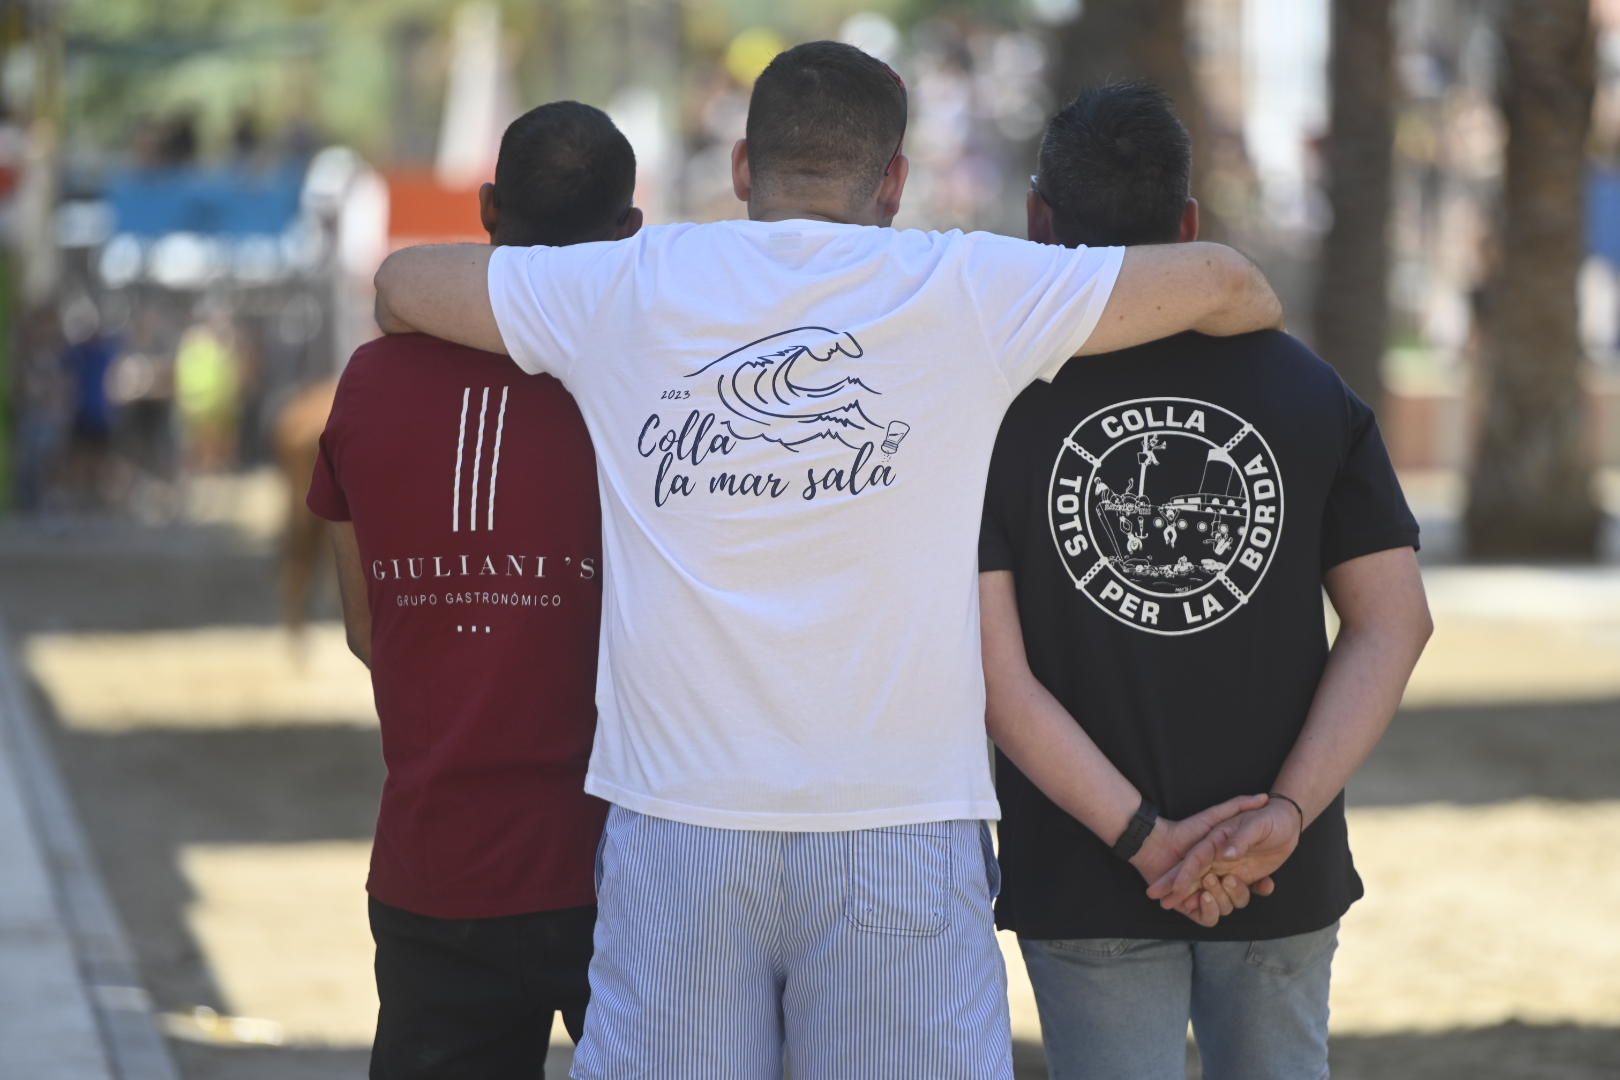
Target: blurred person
pixel 88 354
pixel 178 141
pixel 467 531
pixel 208 392
pixel 247 140
pixel 792 417
pixel 249 335
pixel 44 395
pixel 142 384
pixel 1154 643
pixel 146 143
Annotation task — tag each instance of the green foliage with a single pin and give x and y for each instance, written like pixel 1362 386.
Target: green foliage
pixel 276 60
pixel 336 62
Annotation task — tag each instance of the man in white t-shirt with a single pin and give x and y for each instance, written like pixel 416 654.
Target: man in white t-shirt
pixel 793 416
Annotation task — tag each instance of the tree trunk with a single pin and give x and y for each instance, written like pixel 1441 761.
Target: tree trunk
pixel 1136 39
pixel 1351 324
pixel 1531 491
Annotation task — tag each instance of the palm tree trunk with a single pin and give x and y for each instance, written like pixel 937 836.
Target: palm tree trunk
pixel 1352 291
pixel 1531 491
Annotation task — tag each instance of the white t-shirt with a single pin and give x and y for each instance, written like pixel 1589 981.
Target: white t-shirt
pixel 792 423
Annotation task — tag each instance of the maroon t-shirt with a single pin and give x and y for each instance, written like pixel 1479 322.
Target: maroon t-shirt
pixel 472 489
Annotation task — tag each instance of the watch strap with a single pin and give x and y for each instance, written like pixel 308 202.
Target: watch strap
pixel 1136 833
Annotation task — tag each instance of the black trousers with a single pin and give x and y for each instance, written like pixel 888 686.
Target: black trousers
pixel 473 999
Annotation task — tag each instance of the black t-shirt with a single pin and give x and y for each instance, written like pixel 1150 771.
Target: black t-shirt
pixel 1168 512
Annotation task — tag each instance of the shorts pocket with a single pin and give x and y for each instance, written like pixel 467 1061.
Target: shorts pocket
pixel 616 830
pixel 992 867
pixel 900 879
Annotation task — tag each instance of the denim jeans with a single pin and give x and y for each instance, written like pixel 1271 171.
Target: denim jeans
pixel 1114 1008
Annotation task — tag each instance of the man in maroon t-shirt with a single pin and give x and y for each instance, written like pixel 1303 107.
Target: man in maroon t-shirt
pixel 468 540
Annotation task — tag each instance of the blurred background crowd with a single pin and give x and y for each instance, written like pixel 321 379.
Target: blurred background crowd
pixel 194 195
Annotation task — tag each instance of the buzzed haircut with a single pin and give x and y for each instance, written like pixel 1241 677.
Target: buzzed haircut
pixel 565 175
pixel 825 112
pixel 1115 166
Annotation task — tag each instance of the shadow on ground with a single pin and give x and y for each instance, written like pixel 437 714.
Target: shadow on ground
pixel 1510 1051
pixel 1507 1052
pixel 147 795
pixel 1475 754
pixel 267 1063
pixel 112 576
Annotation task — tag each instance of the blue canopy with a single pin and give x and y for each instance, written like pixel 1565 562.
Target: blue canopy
pixel 231 201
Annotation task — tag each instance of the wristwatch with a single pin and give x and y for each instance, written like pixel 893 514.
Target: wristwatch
pixel 1136 833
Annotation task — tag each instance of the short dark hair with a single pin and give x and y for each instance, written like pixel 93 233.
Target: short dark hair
pixel 564 174
pixel 1115 166
pixel 825 112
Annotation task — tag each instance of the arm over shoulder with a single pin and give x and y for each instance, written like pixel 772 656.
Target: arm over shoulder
pixel 1169 289
pixel 542 306
pixel 442 290
pixel 1036 303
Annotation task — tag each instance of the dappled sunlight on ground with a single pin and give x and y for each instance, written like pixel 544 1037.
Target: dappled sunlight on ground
pixel 1520 634
pixel 202 678
pixel 1479 914
pixel 228 781
pixel 286 936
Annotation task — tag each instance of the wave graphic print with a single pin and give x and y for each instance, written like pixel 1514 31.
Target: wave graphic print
pixel 790 389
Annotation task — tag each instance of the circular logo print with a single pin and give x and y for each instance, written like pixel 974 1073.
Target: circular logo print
pixel 1166 512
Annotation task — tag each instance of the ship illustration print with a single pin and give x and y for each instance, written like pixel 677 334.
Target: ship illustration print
pixel 1166 512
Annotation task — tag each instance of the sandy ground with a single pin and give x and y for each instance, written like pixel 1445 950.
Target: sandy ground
pixel 228 782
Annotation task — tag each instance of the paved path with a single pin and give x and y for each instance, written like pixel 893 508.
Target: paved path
pixel 71 1003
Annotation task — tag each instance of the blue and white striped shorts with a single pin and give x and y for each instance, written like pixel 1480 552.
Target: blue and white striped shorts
pixel 724 953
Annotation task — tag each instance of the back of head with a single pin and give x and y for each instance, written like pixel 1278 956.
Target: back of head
pixel 1115 166
pixel 824 117
pixel 565 175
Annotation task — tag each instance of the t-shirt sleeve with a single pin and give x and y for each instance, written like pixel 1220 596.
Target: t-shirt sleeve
pixel 1366 509
pixel 1037 303
pixel 326 498
pixel 548 301
pixel 1004 495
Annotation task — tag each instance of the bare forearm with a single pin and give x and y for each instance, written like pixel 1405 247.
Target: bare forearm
pixel 359 639
pixel 1361 688
pixel 1039 736
pixel 1384 625
pixel 1033 728
pixel 387 321
pixel 1172 288
pixel 1357 697
pixel 352 591
pixel 442 290
pixel 1249 302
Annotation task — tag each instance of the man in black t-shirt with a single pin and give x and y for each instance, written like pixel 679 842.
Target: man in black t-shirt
pixel 1159 525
